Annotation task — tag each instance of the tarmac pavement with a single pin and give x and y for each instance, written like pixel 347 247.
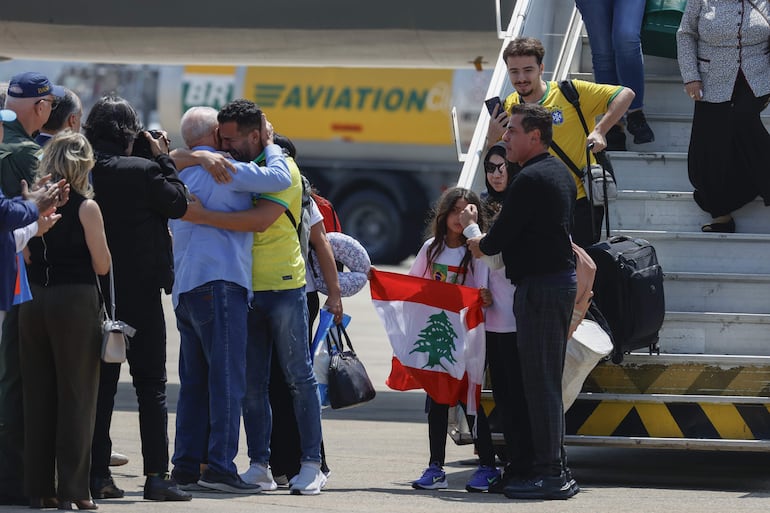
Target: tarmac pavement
pixel 377 449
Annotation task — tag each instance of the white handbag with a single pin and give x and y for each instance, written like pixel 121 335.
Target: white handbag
pixel 115 334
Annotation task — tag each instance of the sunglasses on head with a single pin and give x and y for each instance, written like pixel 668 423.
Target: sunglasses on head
pixel 54 103
pixel 490 168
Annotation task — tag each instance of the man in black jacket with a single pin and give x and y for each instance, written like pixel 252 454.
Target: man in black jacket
pixel 532 232
pixel 137 196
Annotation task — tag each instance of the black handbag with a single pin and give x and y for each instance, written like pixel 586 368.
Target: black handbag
pixel 349 384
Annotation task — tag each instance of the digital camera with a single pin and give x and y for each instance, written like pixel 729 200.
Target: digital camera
pixel 142 145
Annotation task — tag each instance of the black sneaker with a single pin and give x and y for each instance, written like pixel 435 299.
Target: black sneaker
pixel 509 476
pixel 186 480
pixel 542 487
pixel 105 488
pixel 164 488
pixel 571 481
pixel 636 124
pixel 227 483
pixel 616 139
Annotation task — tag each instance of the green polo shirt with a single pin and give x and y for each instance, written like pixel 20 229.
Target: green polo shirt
pixel 19 158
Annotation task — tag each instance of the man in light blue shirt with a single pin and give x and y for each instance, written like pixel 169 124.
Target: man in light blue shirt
pixel 210 295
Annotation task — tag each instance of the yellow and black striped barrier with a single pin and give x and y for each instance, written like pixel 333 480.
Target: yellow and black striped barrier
pixel 672 417
pixel 681 378
pixel 670 398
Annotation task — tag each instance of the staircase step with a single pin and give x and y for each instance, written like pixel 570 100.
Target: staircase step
pixel 715 333
pixel 717 286
pixel 700 252
pixel 677 212
pixel 645 171
pixel 717 292
pixel 677 376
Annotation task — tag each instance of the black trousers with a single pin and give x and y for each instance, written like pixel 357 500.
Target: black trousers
pixel 543 311
pixel 11 410
pixel 139 306
pixel 510 400
pixel 438 422
pixel 727 162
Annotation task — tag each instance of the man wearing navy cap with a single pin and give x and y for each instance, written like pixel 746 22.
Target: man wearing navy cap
pixel 32 97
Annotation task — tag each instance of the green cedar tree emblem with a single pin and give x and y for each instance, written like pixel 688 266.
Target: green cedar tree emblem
pixel 437 339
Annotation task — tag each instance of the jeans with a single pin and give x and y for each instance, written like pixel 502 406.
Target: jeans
pixel 278 322
pixel 614 28
pixel 543 311
pixel 284 440
pixel 212 374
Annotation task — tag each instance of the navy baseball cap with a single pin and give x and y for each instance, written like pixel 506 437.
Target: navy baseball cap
pixel 6 116
pixel 33 85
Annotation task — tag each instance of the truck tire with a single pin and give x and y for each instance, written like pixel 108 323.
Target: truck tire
pixel 375 221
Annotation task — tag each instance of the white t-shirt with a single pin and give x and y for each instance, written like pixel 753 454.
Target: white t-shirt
pixel 315 217
pixel 446 267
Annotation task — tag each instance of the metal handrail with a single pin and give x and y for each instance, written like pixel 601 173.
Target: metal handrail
pixel 473 157
pixel 573 35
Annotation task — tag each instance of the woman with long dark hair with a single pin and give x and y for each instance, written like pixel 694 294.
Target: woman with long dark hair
pixel 137 197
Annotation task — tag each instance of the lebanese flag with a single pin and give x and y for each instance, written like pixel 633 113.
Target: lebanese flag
pixel 436 330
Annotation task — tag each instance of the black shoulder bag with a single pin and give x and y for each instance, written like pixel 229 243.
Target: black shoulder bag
pixel 349 384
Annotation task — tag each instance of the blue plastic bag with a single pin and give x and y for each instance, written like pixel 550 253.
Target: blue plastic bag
pixel 320 353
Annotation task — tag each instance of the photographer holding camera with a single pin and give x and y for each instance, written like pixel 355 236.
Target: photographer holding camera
pixel 143 148
pixel 137 197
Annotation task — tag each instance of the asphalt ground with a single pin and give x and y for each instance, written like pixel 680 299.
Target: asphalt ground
pixel 377 449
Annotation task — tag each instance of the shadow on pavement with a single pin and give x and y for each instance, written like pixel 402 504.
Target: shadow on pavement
pixel 387 406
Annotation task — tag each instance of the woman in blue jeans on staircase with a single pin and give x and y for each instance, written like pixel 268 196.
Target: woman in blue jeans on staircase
pixel 614 28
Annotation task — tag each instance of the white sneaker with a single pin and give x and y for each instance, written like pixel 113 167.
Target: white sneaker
pixel 309 481
pixel 117 459
pixel 291 481
pixel 326 478
pixel 261 475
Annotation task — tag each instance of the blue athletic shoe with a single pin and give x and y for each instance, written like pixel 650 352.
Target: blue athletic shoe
pixel 434 478
pixel 483 478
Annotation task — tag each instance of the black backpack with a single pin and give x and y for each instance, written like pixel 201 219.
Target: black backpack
pixel 303 226
pixel 628 289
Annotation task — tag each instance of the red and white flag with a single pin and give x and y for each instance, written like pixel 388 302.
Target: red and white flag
pixel 437 333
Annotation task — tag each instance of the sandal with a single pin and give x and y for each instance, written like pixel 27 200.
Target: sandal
pixel 79 504
pixel 725 227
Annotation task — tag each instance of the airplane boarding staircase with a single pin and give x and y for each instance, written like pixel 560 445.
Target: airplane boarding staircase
pixel 709 388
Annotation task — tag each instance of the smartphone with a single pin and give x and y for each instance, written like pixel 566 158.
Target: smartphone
pixel 491 103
